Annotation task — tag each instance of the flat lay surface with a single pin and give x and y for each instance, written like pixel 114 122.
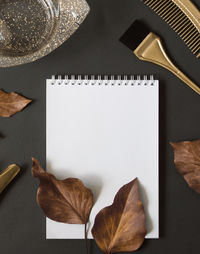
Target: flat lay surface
pixel 95 49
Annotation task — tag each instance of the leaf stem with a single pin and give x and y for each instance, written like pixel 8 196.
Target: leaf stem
pixel 86 240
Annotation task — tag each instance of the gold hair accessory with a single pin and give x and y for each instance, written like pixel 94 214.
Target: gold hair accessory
pixel 8 175
pixel 183 17
pixel 147 46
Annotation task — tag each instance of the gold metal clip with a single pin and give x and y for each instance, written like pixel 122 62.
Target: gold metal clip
pixel 8 175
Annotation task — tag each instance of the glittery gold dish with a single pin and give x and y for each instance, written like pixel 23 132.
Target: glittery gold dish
pixel 31 29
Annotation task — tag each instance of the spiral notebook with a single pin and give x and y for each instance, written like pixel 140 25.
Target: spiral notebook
pixel 104 130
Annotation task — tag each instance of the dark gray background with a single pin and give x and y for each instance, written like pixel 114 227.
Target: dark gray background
pixel 94 49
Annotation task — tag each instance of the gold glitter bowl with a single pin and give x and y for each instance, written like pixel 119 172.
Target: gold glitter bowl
pixel 31 29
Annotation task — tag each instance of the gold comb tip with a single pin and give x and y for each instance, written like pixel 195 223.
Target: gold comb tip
pixel 183 17
pixel 7 175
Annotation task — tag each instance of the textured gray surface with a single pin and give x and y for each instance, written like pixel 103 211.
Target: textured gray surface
pixel 94 49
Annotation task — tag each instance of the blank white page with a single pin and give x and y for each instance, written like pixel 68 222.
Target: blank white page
pixel 105 135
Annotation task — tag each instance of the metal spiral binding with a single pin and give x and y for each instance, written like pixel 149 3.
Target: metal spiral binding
pixel 113 80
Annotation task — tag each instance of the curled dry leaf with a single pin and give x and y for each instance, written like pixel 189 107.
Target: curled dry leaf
pixel 11 103
pixel 67 201
pixel 121 226
pixel 187 161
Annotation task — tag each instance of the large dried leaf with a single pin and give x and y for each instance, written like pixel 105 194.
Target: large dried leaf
pixel 67 201
pixel 11 103
pixel 187 161
pixel 121 226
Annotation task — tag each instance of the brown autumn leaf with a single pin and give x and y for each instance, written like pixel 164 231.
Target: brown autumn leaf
pixel 67 201
pixel 121 226
pixel 11 103
pixel 187 161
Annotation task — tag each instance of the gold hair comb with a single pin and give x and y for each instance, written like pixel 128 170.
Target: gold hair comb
pixel 184 18
pixel 8 175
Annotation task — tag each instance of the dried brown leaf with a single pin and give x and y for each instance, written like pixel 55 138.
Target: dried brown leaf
pixel 67 201
pixel 121 226
pixel 11 103
pixel 187 161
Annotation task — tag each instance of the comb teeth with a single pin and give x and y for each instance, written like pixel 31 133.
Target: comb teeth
pixel 179 22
